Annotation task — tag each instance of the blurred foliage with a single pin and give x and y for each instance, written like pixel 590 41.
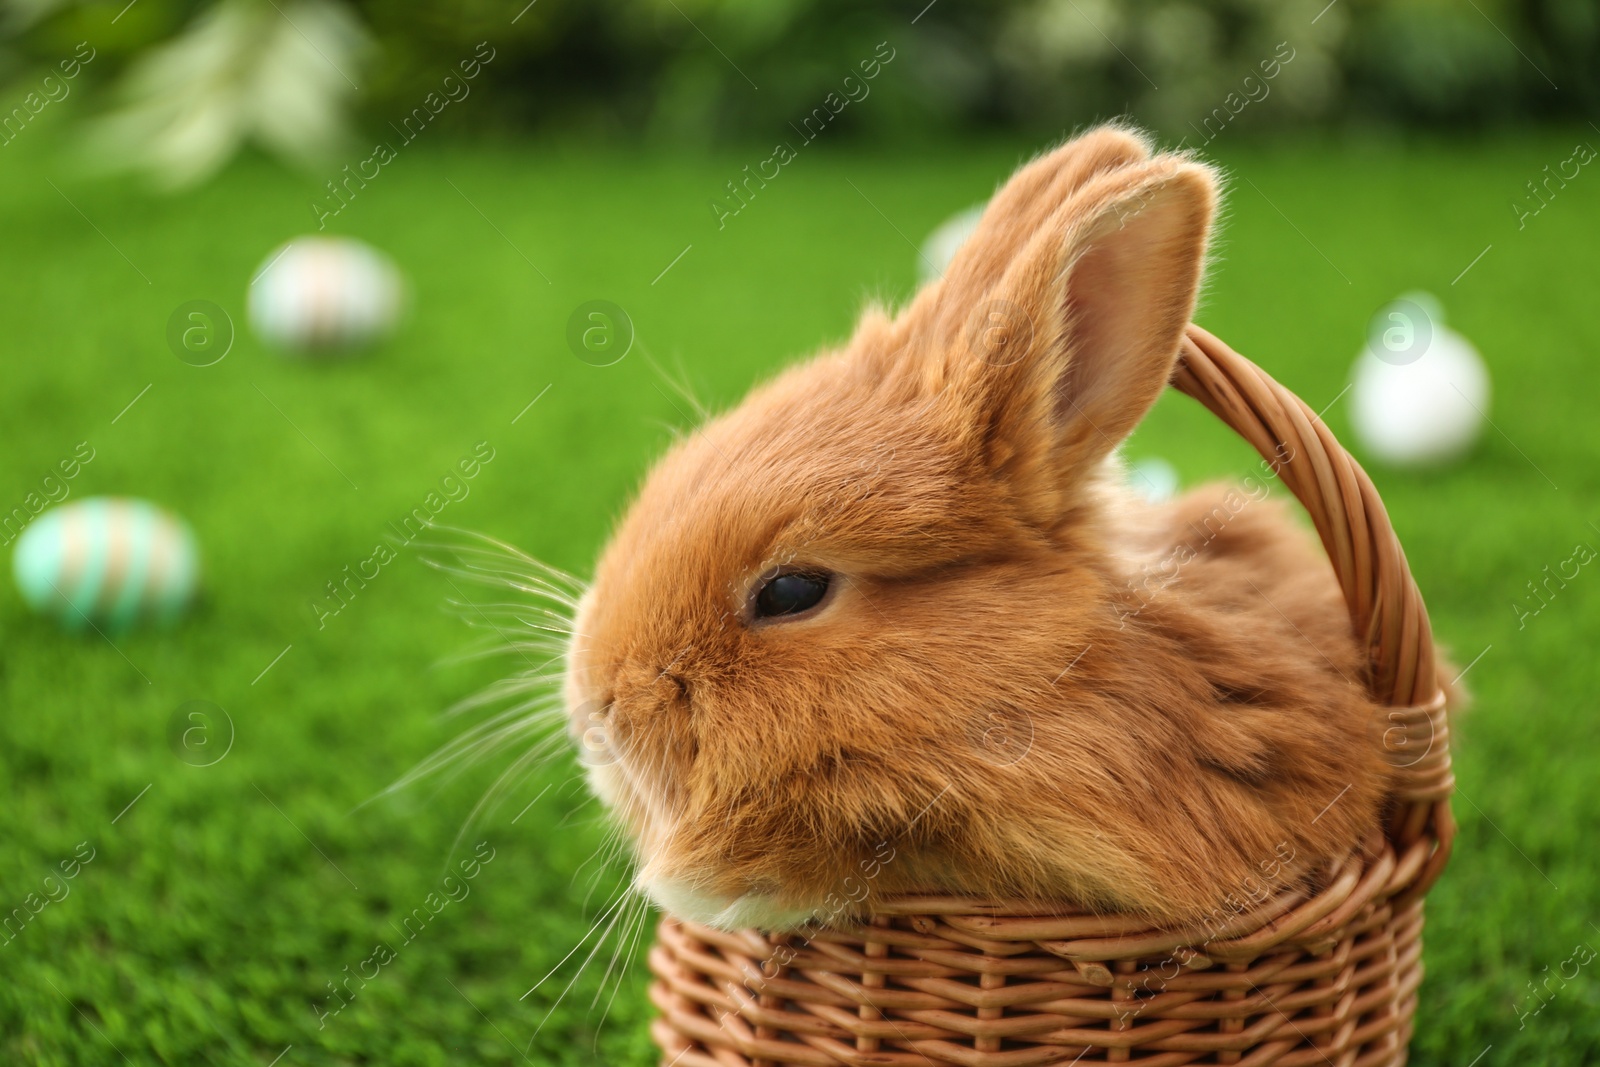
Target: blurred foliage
pixel 244 70
pixel 708 71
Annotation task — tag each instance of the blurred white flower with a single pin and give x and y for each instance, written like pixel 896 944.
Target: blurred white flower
pixel 278 73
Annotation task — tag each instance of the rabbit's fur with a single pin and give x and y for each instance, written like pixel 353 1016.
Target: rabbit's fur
pixel 996 698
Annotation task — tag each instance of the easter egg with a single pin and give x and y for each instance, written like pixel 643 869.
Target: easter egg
pixel 324 295
pixel 945 241
pixel 1154 479
pixel 107 562
pixel 1419 393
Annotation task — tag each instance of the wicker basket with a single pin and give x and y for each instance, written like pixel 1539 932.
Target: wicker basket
pixel 1295 979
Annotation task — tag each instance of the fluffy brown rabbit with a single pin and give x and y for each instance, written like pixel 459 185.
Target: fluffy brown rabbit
pixel 890 624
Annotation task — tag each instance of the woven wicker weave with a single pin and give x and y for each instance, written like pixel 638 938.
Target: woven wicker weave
pixel 1297 979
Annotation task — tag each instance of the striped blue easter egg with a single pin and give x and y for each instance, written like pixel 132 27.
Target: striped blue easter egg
pixel 107 562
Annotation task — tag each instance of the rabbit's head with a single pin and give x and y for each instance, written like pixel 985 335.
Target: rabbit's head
pixel 801 641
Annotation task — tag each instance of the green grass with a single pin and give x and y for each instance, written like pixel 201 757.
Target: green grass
pixel 218 907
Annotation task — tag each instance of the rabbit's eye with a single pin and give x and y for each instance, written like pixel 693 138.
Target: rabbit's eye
pixel 790 593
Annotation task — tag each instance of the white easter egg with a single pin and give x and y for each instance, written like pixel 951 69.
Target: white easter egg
pixel 1153 478
pixel 107 562
pixel 324 294
pixel 1420 391
pixel 945 241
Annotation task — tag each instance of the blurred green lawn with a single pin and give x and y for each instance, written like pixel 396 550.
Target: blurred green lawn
pixel 219 907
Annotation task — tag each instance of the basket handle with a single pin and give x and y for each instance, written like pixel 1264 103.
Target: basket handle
pixel 1386 609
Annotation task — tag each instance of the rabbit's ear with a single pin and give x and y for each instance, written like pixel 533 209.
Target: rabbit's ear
pixel 1067 349
pixel 1020 207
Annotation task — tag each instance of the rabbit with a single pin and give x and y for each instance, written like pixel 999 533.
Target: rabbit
pixel 896 624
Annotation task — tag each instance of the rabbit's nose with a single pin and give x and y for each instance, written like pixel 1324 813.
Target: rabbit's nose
pixel 680 688
pixel 652 683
